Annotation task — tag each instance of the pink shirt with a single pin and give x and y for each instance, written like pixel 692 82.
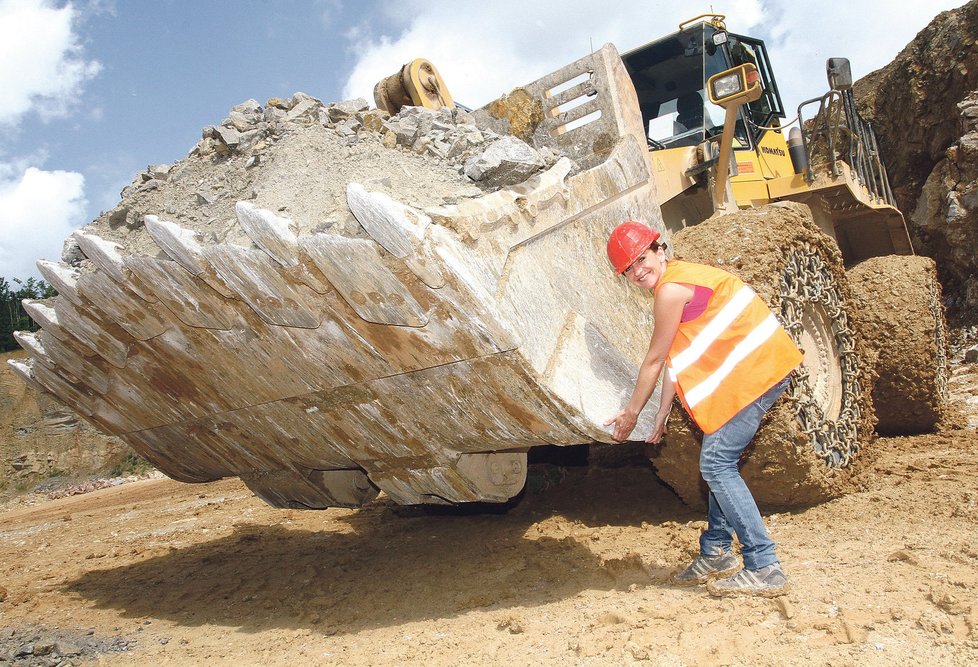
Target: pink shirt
pixel 696 305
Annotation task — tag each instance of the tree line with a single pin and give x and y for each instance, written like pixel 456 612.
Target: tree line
pixel 13 317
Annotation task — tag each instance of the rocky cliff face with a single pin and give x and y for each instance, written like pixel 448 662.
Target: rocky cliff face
pixel 923 108
pixel 945 218
pixel 40 438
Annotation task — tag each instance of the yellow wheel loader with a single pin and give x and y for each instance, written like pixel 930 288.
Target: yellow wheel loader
pixel 325 346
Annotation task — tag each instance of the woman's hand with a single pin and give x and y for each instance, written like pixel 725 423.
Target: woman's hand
pixel 661 428
pixel 624 423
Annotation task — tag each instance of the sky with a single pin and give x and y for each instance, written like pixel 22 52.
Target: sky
pixel 94 91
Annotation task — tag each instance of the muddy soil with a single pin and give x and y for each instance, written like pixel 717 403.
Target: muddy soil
pixel 899 302
pixel 164 573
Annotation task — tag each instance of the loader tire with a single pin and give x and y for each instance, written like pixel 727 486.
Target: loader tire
pixel 903 315
pixel 809 440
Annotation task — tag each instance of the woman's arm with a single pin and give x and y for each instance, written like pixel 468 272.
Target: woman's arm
pixel 662 416
pixel 668 310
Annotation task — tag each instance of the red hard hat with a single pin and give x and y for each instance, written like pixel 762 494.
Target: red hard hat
pixel 627 242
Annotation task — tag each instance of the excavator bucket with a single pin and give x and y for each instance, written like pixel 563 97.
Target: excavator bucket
pixel 421 354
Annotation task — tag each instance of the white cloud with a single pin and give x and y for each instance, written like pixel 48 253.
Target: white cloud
pixel 484 49
pixel 869 33
pixel 38 210
pixel 42 69
pixel 41 65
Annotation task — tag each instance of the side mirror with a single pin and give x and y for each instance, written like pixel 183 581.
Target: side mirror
pixel 736 86
pixel 840 77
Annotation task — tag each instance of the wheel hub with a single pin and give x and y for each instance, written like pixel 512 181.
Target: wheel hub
pixel 818 344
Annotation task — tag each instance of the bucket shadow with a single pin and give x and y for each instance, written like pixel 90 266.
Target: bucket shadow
pixel 389 565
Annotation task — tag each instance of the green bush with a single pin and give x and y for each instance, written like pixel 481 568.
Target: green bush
pixel 133 464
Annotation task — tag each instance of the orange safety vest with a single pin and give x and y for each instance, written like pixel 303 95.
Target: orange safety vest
pixel 732 353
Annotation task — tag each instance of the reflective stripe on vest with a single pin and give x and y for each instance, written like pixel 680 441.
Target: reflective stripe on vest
pixel 717 325
pixel 754 340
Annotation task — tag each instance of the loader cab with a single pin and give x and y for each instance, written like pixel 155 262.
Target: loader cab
pixel 670 76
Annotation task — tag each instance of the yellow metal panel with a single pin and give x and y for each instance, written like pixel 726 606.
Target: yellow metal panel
pixel 748 167
pixel 786 186
pixel 773 155
pixel 668 169
pixel 750 193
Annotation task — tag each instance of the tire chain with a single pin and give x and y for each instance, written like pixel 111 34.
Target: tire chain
pixel 806 278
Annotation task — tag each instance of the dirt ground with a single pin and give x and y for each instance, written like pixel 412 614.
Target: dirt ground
pixel 163 573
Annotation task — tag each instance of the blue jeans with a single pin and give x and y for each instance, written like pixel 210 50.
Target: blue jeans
pixel 731 506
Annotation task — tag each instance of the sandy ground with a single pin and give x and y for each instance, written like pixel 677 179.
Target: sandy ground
pixel 165 573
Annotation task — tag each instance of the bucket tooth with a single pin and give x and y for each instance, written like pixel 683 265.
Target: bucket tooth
pixel 25 371
pixel 276 236
pixel 73 358
pixel 111 346
pixel 191 300
pixel 45 316
pixel 75 397
pixel 62 278
pixel 40 354
pixel 272 233
pixel 400 229
pixel 122 306
pixel 105 254
pixel 183 246
pixel 261 283
pixel 32 343
pixel 180 244
pixel 359 274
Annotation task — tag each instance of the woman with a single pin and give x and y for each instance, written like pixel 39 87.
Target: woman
pixel 728 360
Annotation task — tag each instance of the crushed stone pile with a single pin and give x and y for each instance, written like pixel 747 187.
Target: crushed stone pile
pixel 296 157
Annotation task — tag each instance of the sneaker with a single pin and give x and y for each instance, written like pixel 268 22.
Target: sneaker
pixel 767 582
pixel 705 568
